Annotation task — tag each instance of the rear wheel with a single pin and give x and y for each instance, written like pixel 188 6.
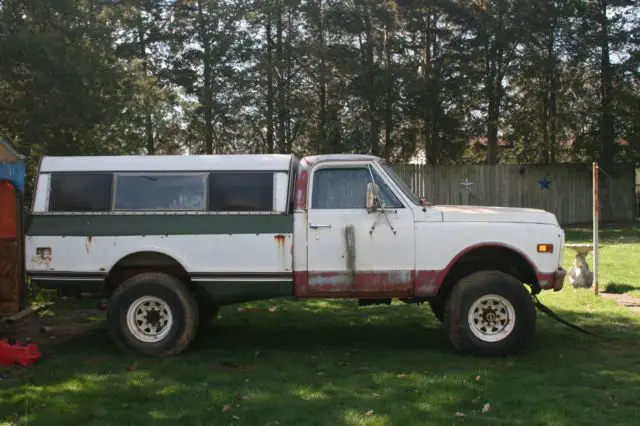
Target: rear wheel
pixel 490 313
pixel 153 314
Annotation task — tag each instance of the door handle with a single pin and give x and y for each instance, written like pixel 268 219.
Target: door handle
pixel 317 226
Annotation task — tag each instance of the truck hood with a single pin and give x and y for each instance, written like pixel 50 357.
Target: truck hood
pixel 495 214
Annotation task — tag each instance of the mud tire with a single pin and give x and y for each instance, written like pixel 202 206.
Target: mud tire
pixel 494 285
pixel 173 293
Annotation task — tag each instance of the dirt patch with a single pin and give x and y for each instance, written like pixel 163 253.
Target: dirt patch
pixel 626 300
pixel 46 328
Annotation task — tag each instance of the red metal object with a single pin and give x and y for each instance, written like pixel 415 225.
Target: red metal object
pixel 553 280
pixel 9 251
pixel 20 354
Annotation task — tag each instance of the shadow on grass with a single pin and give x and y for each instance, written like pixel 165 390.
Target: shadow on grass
pixel 329 363
pixel 618 288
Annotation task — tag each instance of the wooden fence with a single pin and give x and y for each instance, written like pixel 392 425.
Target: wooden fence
pixel 563 189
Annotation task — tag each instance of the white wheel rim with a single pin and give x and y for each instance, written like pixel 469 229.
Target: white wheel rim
pixel 492 318
pixel 149 319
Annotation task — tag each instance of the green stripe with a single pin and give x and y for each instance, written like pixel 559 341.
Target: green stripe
pixel 153 224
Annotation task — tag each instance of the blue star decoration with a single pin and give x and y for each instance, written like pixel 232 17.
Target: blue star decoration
pixel 545 183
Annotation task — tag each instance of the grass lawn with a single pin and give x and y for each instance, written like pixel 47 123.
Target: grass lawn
pixel 332 363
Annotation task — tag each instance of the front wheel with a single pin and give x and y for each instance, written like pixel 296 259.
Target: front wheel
pixel 490 313
pixel 153 314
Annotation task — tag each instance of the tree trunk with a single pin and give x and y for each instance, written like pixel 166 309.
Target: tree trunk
pixel 289 136
pixel 148 120
pixel 207 78
pixel 389 96
pixel 322 144
pixel 270 88
pixel 280 79
pixel 493 86
pixel 369 69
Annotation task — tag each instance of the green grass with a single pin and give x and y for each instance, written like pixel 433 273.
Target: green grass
pixel 332 363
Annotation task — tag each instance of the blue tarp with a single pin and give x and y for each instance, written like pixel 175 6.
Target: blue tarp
pixel 12 169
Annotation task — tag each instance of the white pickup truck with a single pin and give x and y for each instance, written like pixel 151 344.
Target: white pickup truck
pixel 170 239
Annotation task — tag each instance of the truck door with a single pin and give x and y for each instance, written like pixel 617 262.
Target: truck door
pixel 352 252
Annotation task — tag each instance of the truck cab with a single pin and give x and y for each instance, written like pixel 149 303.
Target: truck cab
pixel 170 239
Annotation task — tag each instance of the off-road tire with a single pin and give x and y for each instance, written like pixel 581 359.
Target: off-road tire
pixel 470 289
pixel 174 293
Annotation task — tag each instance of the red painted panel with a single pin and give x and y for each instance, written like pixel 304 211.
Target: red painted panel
pixel 9 278
pixel 8 211
pixel 9 258
pixel 359 284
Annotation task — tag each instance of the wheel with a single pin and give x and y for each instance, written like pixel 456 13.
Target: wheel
pixel 490 313
pixel 153 314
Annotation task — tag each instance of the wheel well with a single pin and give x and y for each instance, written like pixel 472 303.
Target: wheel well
pixel 490 258
pixel 146 261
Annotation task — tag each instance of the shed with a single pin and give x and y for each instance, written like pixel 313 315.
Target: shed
pixel 13 295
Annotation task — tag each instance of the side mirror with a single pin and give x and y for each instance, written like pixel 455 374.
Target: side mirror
pixel 373 197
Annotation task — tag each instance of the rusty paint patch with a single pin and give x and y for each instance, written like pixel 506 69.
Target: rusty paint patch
pixel 280 240
pixel 427 283
pixel 301 188
pixel 350 246
pixel 370 284
pixel 363 282
pixel 87 243
pixel 43 257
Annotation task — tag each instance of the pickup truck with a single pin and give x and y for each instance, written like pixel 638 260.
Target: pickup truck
pixel 169 239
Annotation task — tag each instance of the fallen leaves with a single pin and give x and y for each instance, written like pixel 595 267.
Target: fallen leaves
pixel 227 407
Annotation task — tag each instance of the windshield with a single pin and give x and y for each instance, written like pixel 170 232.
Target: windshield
pixel 401 183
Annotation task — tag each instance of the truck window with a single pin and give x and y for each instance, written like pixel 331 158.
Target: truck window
pixel 346 188
pixel 160 192
pixel 241 191
pixel 85 192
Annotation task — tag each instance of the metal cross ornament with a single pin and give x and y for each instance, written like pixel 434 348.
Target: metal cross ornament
pixel 466 184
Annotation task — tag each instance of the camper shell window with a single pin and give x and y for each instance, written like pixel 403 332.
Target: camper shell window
pixel 157 191
pixel 241 191
pixel 86 192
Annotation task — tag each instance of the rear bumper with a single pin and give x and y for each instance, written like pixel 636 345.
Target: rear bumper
pixel 552 281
